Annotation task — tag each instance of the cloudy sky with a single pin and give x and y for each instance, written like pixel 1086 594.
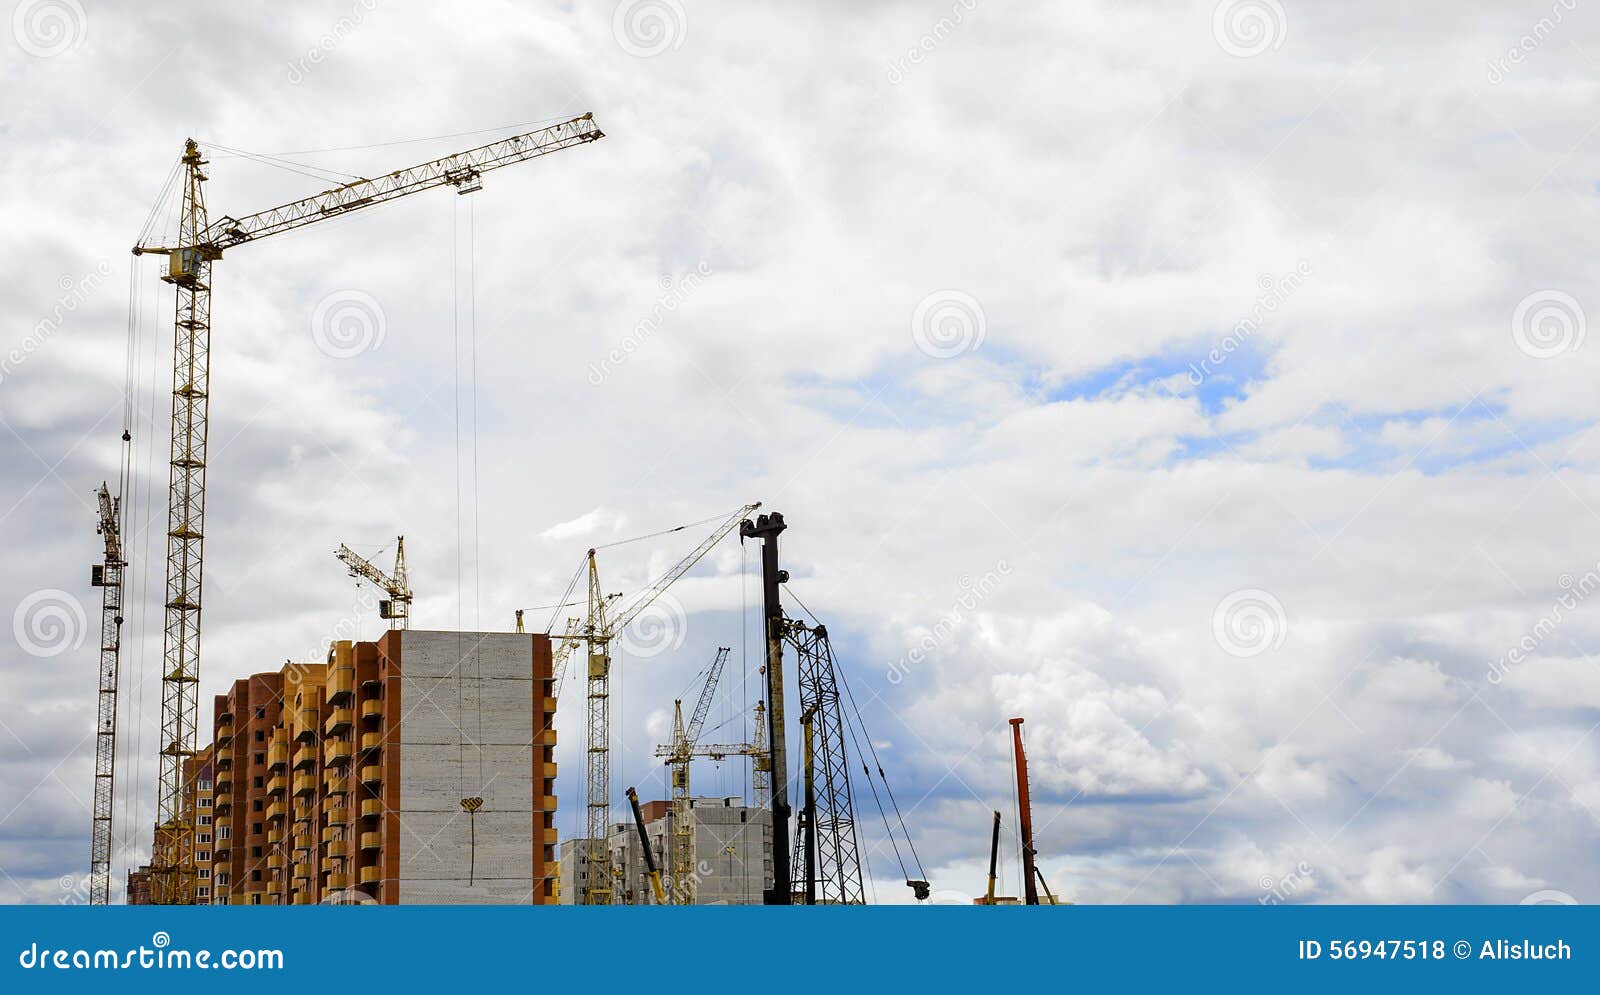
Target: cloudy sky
pixel 1206 383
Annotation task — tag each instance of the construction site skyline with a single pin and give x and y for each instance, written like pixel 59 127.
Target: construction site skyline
pixel 1211 399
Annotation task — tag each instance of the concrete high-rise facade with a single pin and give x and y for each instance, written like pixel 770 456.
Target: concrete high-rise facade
pixel 418 768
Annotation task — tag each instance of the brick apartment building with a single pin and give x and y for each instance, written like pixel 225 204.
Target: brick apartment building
pixel 350 781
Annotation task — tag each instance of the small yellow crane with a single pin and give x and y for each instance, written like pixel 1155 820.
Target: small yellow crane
pixel 397 606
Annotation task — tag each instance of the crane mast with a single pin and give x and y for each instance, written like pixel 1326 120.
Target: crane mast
pixel 679 754
pixel 107 575
pixel 189 263
pixel 397 607
pixel 597 632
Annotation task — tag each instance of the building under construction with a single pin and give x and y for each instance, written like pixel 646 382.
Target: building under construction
pixel 731 864
pixel 416 769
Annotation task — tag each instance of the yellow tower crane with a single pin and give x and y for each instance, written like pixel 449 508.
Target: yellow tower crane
pixel 200 244
pixel 397 606
pixel 597 632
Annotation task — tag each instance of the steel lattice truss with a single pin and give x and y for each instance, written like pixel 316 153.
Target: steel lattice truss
pixel 839 879
pixel 109 580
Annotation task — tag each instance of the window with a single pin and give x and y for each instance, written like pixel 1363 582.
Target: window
pixel 261 713
pixel 255 852
pixel 261 736
pixel 255 876
pixel 255 827
pixel 204 856
pixel 205 784
pixel 205 803
pixel 258 781
pixel 205 873
pixel 203 839
pixel 255 899
pixel 203 892
pixel 255 806
pixel 261 758
pixel 205 820
pixel 224 832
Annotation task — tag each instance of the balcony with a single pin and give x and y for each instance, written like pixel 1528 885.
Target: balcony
pixel 338 722
pixel 549 770
pixel 371 807
pixel 302 841
pixel 371 775
pixel 337 880
pixel 223 804
pixel 332 833
pixel 220 850
pixel 547 803
pixel 550 838
pixel 341 682
pixel 337 815
pixel 372 708
pixel 305 758
pixel 302 871
pixel 275 811
pixel 305 784
pixel 307 731
pixel 274 837
pixel 276 785
pixel 372 682
pixel 222 822
pixel 225 734
pixel 224 785
pixel 370 841
pixel 336 752
pixel 302 898
pixel 225 762
pixel 336 848
pixel 371 875
pixel 371 740
pixel 277 756
pixel 275 861
pixel 549 706
pixel 546 738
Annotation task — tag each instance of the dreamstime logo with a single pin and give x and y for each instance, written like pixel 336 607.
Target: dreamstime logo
pixel 75 292
pixel 347 323
pixel 1548 323
pixel 1549 897
pixel 48 623
pixel 1575 591
pixel 973 593
pixel 1543 28
pixel 660 628
pixel 74 889
pixel 1247 28
pixel 930 40
pixel 1276 891
pixel 331 39
pixel 947 323
pixel 646 28
pixel 46 28
pixel 1249 622
pixel 674 293
pixel 1275 291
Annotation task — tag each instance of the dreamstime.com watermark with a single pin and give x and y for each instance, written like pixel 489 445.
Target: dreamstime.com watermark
pixel 1499 68
pixel 1247 28
pixel 47 28
pixel 347 323
pixel 1249 622
pixel 1547 323
pixel 1575 591
pixel 647 28
pixel 1276 891
pixel 930 40
pixel 159 956
pixel 1275 290
pixel 973 593
pixel 674 293
pixel 329 40
pixel 75 292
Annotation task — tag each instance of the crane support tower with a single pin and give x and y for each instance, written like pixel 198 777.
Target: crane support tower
pixel 106 575
pixel 200 244
pixel 767 528
pixel 829 862
pixel 396 608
